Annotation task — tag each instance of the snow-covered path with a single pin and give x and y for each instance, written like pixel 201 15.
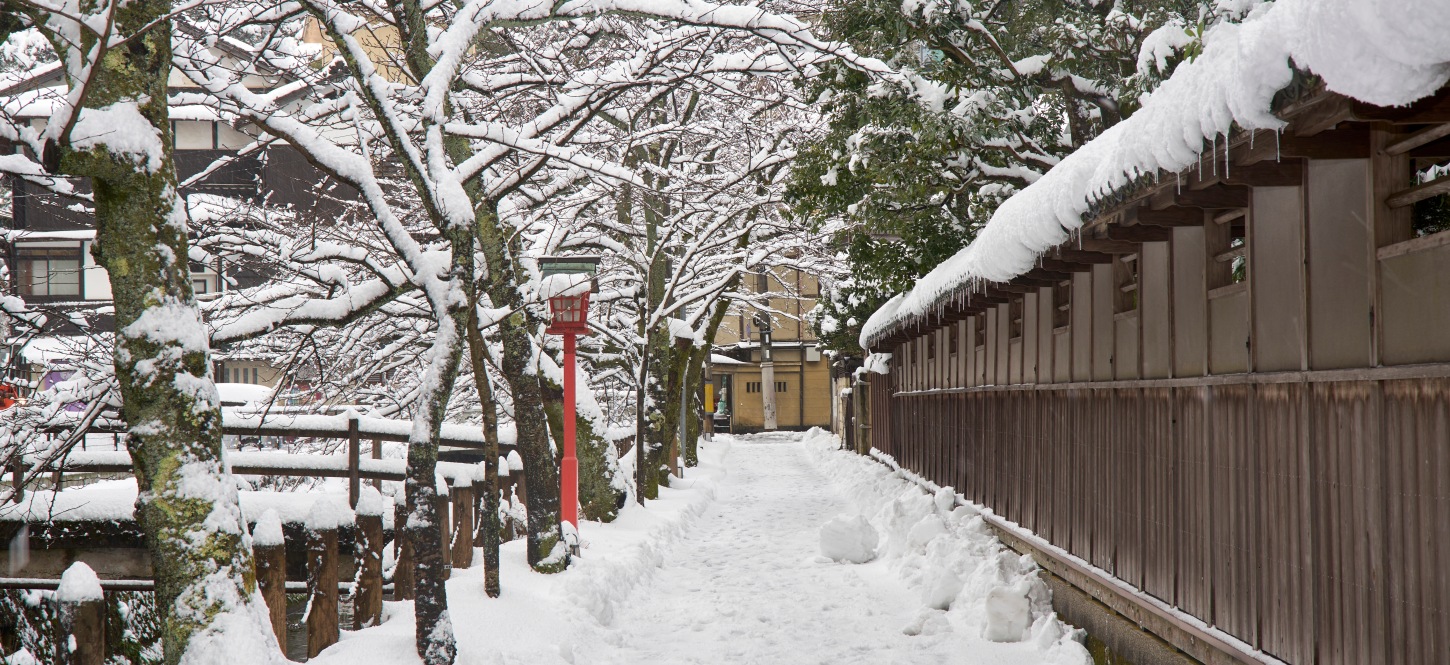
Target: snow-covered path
pixel 746 584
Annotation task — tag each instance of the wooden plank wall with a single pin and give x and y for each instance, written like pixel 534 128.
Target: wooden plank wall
pixel 1310 520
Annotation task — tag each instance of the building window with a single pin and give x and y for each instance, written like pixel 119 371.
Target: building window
pixel 1062 304
pixel 1125 277
pixel 762 283
pixel 754 386
pixel 48 273
pixel 1228 248
pixel 931 346
pixel 979 323
pixel 1014 312
pixel 954 338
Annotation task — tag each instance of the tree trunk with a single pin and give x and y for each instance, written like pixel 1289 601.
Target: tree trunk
pixel 187 507
pixel 488 521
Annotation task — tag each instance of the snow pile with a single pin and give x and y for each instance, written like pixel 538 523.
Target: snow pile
pixel 328 512
pixel 968 581
pixel 849 539
pixel 79 584
pixel 370 502
pixel 1384 52
pixel 267 532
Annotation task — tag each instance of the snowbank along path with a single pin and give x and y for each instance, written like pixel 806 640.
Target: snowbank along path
pixel 747 583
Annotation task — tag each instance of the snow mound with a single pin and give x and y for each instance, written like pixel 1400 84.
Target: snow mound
pixel 849 539
pixel 969 583
pixel 370 501
pixel 328 513
pixel 268 530
pixel 942 585
pixel 79 584
pixel 1009 615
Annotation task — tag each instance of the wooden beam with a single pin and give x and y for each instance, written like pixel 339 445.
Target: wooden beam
pixel 1045 273
pixel 1282 173
pixel 1213 197
pixel 1083 256
pixel 1137 234
pixel 1108 247
pixel 1349 142
pixel 1417 139
pixel 1059 265
pixel 1418 193
pixel 1167 217
pixel 1435 108
pixel 1323 115
pixel 1035 282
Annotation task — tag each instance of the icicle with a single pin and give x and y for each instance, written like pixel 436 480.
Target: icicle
pixel 1225 159
pixel 1277 134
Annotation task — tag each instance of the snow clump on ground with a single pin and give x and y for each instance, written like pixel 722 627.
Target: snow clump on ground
pixel 849 539
pixel 969 582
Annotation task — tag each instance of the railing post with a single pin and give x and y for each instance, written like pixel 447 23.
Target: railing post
pixel 403 588
pixel 516 474
pixel 322 524
pixel 378 454
pixel 269 548
pixel 17 478
pixel 82 616
pixel 462 521
pixel 354 460
pixel 367 592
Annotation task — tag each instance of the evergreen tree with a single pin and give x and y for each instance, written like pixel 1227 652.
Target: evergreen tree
pixel 905 175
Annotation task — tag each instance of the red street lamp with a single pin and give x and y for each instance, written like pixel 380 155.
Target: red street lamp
pixel 567 281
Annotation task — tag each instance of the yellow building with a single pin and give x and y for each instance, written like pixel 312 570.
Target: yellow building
pixel 802 373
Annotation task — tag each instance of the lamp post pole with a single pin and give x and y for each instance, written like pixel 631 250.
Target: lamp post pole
pixel 569 305
pixel 569 468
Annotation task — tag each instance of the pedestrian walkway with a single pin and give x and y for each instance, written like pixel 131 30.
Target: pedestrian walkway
pixel 746 584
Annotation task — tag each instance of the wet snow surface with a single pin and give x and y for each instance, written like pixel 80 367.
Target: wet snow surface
pixel 726 567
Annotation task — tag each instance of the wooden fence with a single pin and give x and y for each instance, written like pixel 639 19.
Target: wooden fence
pixel 323 553
pixel 1306 514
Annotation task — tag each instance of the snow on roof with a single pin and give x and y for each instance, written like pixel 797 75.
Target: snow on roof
pixel 717 359
pixel 243 393
pixel 1383 52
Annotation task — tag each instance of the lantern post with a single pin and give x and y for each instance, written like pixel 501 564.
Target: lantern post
pixel 567 282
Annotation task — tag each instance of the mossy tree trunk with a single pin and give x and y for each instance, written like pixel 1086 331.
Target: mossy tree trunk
pixel 488 520
pixel 187 506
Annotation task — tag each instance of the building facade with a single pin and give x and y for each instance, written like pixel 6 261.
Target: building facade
pixel 802 373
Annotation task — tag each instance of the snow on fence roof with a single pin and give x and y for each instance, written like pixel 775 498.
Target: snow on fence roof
pixel 1382 52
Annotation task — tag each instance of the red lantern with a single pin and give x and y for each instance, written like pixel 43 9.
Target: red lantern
pixel 569 314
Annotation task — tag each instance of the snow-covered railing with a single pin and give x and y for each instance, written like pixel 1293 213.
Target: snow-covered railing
pixel 350 426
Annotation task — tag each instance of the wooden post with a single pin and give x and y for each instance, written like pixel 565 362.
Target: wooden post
pixel 403 588
pixel 269 549
pixel 516 474
pixel 82 616
pixel 367 595
pixel 322 525
pixel 462 522
pixel 17 478
pixel 441 502
pixel 354 460
pixel 377 454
